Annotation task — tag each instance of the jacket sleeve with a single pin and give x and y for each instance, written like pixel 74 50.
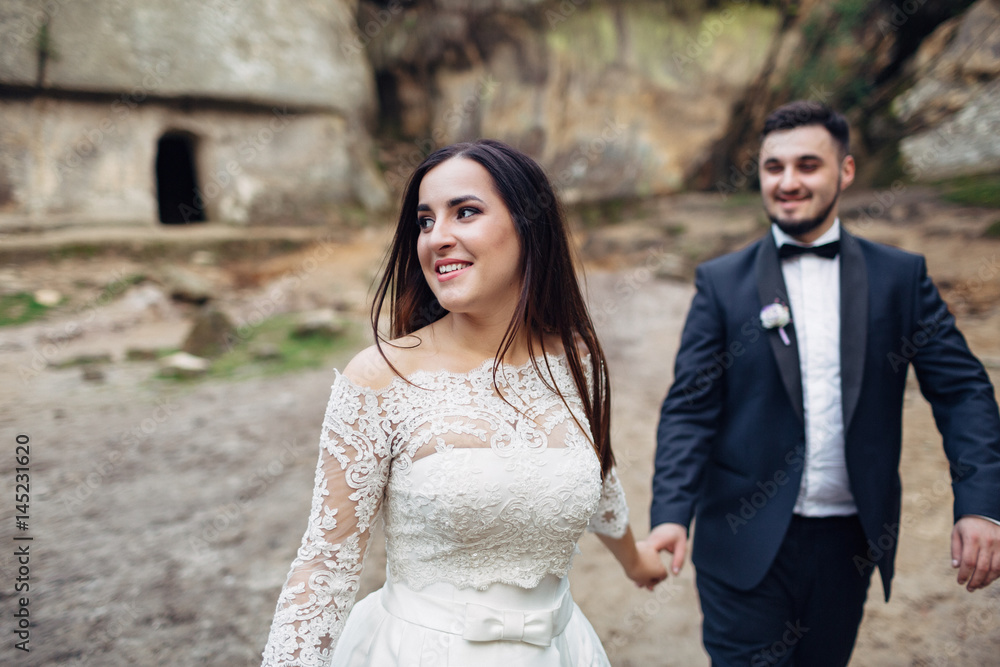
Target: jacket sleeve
pixel 962 398
pixel 322 584
pixel 690 413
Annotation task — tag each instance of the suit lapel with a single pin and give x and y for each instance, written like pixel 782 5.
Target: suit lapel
pixel 853 322
pixel 771 288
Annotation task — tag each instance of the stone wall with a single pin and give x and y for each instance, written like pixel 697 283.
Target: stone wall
pixel 72 162
pixel 263 51
pixel 275 96
pixel 952 113
pixel 615 99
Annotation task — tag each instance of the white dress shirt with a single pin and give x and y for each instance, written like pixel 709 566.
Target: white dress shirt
pixel 813 285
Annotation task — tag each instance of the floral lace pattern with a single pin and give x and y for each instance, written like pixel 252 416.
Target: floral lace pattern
pixel 473 490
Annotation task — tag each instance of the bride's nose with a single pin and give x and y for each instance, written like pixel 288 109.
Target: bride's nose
pixel 442 234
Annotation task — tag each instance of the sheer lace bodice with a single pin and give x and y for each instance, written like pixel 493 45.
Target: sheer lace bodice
pixel 473 491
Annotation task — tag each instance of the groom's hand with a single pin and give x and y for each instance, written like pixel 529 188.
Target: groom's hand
pixel 975 551
pixel 670 537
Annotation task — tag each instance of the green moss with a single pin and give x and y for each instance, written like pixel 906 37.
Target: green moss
pixel 119 285
pixel 20 308
pixel 610 211
pixel 588 32
pixel 742 199
pixel 296 354
pixel 75 250
pixel 852 13
pixel 981 190
pixel 665 46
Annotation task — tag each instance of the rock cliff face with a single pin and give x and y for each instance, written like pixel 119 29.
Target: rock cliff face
pixel 952 113
pixel 616 99
pixel 273 105
pixel 853 56
pixel 262 103
pixel 264 51
pixel 632 98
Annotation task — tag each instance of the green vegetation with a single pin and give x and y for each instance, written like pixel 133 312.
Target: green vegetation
pixel 827 32
pixel 993 231
pixel 982 190
pixel 743 198
pixel 20 308
pixel 294 354
pixel 609 211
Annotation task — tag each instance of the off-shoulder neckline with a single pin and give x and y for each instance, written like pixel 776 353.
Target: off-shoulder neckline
pixel 485 366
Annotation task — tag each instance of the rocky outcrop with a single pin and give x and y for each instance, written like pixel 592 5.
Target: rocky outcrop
pixel 266 103
pixel 952 113
pixel 270 52
pixel 853 56
pixel 615 99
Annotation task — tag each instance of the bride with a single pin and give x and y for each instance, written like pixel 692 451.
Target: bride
pixel 480 434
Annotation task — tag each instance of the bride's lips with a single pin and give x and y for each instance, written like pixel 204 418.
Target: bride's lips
pixel 452 273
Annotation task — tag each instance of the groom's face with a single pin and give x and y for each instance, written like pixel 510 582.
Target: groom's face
pixel 801 176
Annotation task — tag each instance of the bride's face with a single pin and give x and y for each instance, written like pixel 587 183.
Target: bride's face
pixel 468 247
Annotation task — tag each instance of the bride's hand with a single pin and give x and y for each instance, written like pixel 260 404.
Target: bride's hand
pixel 648 569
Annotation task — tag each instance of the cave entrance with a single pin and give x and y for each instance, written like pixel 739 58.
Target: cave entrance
pixel 176 181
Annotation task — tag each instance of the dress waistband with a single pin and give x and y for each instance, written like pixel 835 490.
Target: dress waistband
pixel 477 622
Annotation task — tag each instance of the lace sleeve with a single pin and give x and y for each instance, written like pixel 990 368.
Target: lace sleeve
pixel 611 517
pixel 350 478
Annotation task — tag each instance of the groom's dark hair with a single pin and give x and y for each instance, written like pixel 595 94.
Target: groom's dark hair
pixel 805 112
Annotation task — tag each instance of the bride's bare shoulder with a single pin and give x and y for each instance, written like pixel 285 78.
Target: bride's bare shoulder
pixel 374 368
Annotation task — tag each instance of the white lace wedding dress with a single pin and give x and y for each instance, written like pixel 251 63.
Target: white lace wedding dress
pixel 483 503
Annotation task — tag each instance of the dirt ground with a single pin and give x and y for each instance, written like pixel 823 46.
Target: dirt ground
pixel 164 515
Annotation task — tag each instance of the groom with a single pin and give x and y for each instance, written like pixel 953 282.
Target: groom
pixel 781 433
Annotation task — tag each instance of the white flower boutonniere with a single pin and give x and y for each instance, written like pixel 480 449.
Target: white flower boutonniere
pixel 776 315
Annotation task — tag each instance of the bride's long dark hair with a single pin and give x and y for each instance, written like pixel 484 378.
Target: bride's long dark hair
pixel 550 302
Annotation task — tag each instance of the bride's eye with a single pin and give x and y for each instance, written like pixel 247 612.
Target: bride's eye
pixel 467 212
pixel 425 223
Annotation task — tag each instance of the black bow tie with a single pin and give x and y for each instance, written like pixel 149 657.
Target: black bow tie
pixel 827 250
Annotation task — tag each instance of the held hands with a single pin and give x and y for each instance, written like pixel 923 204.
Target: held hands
pixel 670 537
pixel 647 570
pixel 975 551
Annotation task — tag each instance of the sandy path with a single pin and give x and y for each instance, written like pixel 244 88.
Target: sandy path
pixel 164 516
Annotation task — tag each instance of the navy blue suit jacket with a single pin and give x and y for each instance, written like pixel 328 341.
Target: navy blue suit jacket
pixel 731 439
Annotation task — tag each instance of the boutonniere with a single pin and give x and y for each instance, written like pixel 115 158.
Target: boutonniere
pixel 776 315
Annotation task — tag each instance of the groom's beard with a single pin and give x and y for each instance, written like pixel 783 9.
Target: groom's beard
pixel 802 227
